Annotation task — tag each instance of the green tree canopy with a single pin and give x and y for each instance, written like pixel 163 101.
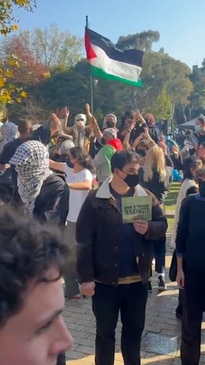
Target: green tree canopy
pixel 49 47
pixel 141 41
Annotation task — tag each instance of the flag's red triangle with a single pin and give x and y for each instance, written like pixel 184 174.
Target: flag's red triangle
pixel 89 50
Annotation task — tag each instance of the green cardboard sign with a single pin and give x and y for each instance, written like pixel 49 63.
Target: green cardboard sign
pixel 136 208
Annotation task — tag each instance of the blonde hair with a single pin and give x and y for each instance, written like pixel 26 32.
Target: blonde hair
pixel 155 161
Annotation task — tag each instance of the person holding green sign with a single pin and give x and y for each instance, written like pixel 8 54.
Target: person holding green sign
pixel 114 258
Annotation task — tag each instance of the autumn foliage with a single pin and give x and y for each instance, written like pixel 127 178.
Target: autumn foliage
pixel 30 71
pixel 7 21
pixel 8 24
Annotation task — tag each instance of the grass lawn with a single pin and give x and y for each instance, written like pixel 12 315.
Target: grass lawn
pixel 170 203
pixel 171 197
pixel 170 221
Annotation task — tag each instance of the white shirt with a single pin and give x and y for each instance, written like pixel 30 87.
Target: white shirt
pixel 77 197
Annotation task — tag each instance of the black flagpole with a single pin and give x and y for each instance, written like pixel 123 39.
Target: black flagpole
pixel 91 79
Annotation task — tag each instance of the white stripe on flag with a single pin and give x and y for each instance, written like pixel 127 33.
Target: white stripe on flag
pixel 113 67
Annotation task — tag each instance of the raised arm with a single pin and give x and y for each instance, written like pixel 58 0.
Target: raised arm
pixel 65 117
pixel 137 141
pixel 93 124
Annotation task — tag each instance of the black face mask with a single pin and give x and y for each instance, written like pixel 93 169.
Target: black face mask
pixel 202 189
pixel 141 152
pixel 110 124
pixel 70 164
pixel 132 180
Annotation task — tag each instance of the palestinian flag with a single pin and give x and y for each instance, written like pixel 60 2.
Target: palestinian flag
pixel 110 63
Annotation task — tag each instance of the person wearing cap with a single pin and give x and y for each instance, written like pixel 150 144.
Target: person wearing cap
pixel 65 148
pixel 80 132
pixel 102 160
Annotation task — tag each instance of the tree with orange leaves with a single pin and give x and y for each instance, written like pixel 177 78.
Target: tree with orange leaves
pixel 8 24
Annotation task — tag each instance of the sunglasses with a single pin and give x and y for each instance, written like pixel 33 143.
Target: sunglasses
pixel 79 120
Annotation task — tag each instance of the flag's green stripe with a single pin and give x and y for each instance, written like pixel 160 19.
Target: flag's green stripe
pixel 98 72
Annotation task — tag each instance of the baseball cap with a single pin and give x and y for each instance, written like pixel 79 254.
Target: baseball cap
pixel 110 131
pixel 80 117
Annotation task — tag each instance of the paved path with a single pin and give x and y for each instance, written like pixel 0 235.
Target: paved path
pixel 160 344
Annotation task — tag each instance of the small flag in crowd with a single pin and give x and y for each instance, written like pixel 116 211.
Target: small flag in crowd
pixel 110 63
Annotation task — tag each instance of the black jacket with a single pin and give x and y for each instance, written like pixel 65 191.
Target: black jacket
pixel 97 232
pixel 191 232
pixel 156 186
pixel 52 203
pixel 51 206
pixel 154 133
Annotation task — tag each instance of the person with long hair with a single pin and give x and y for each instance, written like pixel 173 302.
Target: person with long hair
pixel 78 175
pixel 189 186
pixel 154 178
pixel 154 174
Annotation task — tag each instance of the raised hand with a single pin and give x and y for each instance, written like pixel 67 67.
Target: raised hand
pixel 87 109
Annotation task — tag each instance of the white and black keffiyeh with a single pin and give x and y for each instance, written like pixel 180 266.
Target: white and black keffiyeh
pixel 31 161
pixel 79 136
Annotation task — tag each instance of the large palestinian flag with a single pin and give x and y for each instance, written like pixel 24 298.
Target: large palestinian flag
pixel 108 62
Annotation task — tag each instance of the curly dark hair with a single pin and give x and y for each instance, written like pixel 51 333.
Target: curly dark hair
pixel 27 251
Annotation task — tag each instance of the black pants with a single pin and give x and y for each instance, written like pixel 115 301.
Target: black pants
pixel 159 255
pixel 193 307
pixel 61 359
pixel 108 301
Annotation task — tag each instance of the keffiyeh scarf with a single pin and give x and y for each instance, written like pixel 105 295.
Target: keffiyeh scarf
pixel 79 136
pixel 31 161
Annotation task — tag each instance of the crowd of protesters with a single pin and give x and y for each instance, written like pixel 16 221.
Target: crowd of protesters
pixel 74 177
